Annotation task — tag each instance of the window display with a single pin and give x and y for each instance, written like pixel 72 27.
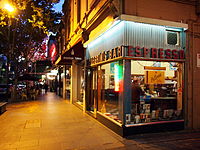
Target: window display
pixel 81 85
pixel 156 91
pixel 109 77
pixel 137 82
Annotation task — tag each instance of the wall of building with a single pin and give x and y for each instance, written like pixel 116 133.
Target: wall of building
pixel 185 13
pixel 92 13
pixel 97 14
pixel 160 9
pixel 193 76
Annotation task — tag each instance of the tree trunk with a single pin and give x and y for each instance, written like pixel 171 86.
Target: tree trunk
pixel 7 78
pixel 15 91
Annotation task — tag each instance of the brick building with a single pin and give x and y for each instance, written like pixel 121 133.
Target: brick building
pixel 107 45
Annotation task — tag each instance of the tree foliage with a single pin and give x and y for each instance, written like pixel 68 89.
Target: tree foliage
pixel 22 32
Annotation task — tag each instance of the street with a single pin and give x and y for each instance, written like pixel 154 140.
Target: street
pixel 51 123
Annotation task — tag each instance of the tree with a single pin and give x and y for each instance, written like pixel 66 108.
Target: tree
pixel 22 33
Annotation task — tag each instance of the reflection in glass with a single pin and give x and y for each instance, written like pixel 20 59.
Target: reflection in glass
pixel 109 78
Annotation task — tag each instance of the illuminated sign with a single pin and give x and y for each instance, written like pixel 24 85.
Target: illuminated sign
pixel 138 52
pixel 118 76
pixel 53 52
pixel 108 55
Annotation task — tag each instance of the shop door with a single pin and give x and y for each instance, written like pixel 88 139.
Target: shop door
pixel 100 89
pixel 92 90
pixel 80 85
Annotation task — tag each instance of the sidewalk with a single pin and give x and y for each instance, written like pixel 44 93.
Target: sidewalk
pixel 51 123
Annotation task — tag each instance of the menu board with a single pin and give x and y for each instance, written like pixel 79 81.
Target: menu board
pixel 155 77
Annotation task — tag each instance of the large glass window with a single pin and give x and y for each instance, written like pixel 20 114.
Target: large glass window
pixel 156 91
pixel 92 81
pixel 68 83
pixel 80 84
pixel 108 86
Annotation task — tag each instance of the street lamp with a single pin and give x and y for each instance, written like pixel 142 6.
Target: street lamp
pixel 9 8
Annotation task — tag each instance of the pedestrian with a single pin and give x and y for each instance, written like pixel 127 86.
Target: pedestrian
pixel 136 91
pixel 46 87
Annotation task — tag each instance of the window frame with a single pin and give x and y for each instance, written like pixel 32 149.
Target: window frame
pixel 178 37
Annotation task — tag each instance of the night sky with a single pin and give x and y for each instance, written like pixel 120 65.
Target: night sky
pixel 58 7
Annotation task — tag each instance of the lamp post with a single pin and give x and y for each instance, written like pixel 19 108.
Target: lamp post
pixel 10 9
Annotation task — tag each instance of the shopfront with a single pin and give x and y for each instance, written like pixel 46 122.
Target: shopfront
pixel 72 77
pixel 135 76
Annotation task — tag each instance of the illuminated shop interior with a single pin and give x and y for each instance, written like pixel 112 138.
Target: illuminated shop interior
pixel 160 82
pixel 135 75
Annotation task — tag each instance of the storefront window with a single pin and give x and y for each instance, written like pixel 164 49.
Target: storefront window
pixel 68 83
pixel 108 86
pixel 92 80
pixel 81 85
pixel 156 91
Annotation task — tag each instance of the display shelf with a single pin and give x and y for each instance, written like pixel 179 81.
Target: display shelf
pixel 164 98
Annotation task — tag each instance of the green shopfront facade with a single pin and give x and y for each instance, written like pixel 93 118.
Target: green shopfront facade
pixel 137 50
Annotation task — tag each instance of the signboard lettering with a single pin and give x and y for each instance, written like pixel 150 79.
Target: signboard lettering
pixel 154 53
pixel 134 52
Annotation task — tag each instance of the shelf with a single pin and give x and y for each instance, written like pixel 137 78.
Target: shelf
pixel 163 98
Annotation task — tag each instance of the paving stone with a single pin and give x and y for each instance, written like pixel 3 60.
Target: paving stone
pixel 33 124
pixel 51 123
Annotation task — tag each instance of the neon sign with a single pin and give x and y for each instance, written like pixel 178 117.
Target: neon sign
pixel 118 75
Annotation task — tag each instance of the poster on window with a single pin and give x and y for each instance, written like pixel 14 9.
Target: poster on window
pixel 155 77
pixel 198 60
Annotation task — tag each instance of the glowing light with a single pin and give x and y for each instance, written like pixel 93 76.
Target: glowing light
pixel 9 7
pixel 54 72
pixel 62 75
pixel 115 29
pixel 116 78
pixel 53 52
pixel 43 77
pixel 50 76
pixel 118 74
pixel 112 31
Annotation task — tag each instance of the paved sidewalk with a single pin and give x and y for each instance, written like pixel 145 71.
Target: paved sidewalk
pixel 51 123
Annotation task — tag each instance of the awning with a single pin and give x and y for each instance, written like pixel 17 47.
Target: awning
pixel 62 61
pixel 42 66
pixel 74 53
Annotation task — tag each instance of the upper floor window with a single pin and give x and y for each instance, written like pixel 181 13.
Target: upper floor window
pixel 78 11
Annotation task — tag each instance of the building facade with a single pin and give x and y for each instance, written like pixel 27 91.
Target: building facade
pixel 133 64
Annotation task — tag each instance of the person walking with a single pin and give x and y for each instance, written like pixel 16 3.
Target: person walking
pixel 46 87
